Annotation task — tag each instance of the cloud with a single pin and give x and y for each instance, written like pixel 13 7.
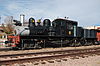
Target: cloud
pixel 12 6
pixel 83 11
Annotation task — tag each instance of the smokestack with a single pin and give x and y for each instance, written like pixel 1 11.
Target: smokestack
pixel 22 18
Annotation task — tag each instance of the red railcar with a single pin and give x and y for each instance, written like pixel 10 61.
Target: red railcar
pixel 98 35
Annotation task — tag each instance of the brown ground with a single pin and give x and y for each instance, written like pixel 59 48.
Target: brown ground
pixel 46 49
pixel 87 61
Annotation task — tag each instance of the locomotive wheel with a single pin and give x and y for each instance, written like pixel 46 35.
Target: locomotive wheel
pixel 37 46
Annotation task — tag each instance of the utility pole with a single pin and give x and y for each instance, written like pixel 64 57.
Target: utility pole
pixel 0 19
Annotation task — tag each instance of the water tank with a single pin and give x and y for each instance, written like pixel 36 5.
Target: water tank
pixel 47 22
pixel 31 22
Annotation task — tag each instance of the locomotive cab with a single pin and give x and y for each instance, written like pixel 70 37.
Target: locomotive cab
pixel 65 27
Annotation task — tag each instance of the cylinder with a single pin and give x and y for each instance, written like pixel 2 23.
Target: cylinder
pixel 47 23
pixel 22 18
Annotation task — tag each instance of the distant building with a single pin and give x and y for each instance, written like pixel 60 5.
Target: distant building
pixel 3 37
pixel 2 33
pixel 25 24
pixel 93 27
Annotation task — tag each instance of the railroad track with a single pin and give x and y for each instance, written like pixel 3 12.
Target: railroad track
pixel 40 56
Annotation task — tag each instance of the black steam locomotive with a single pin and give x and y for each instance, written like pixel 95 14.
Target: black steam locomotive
pixel 58 33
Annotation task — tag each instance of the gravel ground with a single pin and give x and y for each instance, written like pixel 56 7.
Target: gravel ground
pixel 46 49
pixel 87 61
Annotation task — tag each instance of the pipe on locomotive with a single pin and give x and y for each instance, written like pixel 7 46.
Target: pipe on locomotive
pixel 22 18
pixel 46 22
pixel 21 29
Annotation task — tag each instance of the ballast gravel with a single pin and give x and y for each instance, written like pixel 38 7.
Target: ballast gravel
pixel 87 61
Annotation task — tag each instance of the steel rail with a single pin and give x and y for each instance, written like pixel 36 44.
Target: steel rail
pixel 47 57
pixel 48 52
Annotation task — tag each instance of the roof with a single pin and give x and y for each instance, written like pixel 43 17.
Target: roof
pixel 69 21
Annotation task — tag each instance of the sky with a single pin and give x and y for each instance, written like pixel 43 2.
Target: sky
pixel 85 12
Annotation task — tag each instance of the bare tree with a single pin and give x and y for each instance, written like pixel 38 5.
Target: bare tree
pixel 8 27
